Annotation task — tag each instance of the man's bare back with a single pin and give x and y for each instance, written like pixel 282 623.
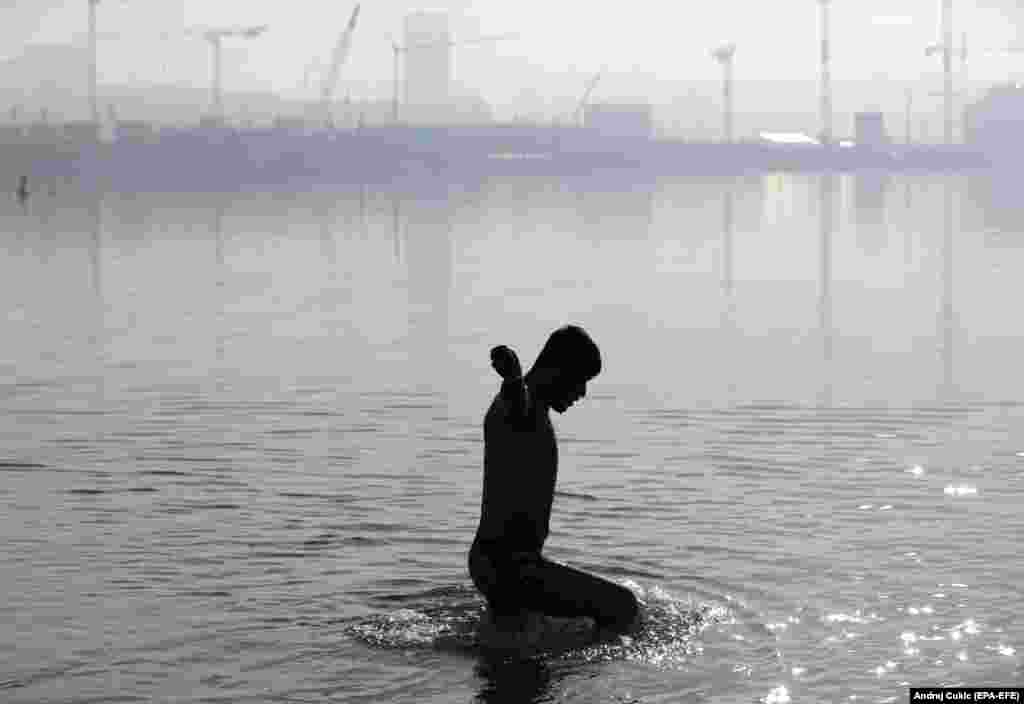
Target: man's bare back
pixel 520 471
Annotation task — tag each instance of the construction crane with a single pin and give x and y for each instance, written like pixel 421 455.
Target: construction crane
pixel 586 95
pixel 341 50
pixel 397 49
pixel 215 36
pixel 724 55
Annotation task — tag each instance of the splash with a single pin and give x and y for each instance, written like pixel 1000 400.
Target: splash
pixel 669 635
pixel 666 638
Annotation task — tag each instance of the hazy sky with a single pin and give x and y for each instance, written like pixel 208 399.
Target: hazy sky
pixel 645 44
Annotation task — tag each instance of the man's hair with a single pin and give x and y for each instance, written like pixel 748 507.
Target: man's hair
pixel 571 349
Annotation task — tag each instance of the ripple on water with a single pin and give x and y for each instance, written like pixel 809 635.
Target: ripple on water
pixel 450 618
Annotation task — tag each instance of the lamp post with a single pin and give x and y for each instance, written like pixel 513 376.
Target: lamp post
pixel 724 55
pixel 946 49
pixel 94 111
pixel 826 75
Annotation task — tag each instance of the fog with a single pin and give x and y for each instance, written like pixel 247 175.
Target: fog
pixel 649 51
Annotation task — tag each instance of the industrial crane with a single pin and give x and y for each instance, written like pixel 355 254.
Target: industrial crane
pixel 215 36
pixel 396 48
pixel 724 55
pixel 586 94
pixel 341 50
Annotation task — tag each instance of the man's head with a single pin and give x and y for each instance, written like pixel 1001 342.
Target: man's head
pixel 568 360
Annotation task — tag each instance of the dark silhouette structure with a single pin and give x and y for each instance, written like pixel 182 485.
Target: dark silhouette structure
pixel 22 192
pixel 520 470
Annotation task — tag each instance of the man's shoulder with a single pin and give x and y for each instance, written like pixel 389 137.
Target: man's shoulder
pixel 504 412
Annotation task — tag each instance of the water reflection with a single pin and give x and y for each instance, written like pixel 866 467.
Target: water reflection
pixel 620 206
pixel 827 189
pixel 908 219
pixel 218 300
pixel 996 206
pixel 869 193
pixel 947 312
pixel 95 220
pixel 731 333
pixel 328 246
pixel 428 258
pixel 514 680
pixel 396 226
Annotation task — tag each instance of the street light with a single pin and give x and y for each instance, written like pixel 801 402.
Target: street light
pixel 724 56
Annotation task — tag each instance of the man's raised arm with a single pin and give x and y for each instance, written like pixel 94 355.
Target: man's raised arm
pixel 513 389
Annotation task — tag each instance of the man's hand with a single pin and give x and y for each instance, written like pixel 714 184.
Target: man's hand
pixel 513 390
pixel 506 363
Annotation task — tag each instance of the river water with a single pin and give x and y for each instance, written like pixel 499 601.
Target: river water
pixel 241 444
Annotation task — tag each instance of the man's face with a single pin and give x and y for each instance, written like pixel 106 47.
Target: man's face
pixel 566 392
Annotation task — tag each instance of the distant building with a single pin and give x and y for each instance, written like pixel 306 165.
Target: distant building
pixel 428 66
pixel 82 131
pixel 620 119
pixel 996 122
pixel 135 130
pixel 47 76
pixel 869 129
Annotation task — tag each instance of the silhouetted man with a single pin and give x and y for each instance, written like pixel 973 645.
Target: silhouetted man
pixel 520 468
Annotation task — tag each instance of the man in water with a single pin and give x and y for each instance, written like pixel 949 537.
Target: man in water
pixel 520 468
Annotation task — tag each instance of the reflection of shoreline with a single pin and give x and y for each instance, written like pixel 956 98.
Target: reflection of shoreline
pixel 218 224
pixel 827 186
pixel 729 327
pixel 428 259
pixel 869 207
pixel 97 338
pixel 396 224
pixel 947 313
pixel 96 245
pixel 995 206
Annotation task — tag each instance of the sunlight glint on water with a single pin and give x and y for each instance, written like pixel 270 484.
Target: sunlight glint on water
pixel 242 437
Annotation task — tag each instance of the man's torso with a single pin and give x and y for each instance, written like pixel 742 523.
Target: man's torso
pixel 520 469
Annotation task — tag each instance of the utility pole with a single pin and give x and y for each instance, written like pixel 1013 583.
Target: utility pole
pixel 217 98
pixel 826 75
pixel 910 103
pixel 965 91
pixel 394 98
pixel 724 55
pixel 947 66
pixel 946 48
pixel 94 112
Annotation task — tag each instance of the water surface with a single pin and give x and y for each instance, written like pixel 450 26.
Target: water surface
pixel 241 437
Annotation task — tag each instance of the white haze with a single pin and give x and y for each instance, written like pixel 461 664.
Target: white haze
pixel 651 50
